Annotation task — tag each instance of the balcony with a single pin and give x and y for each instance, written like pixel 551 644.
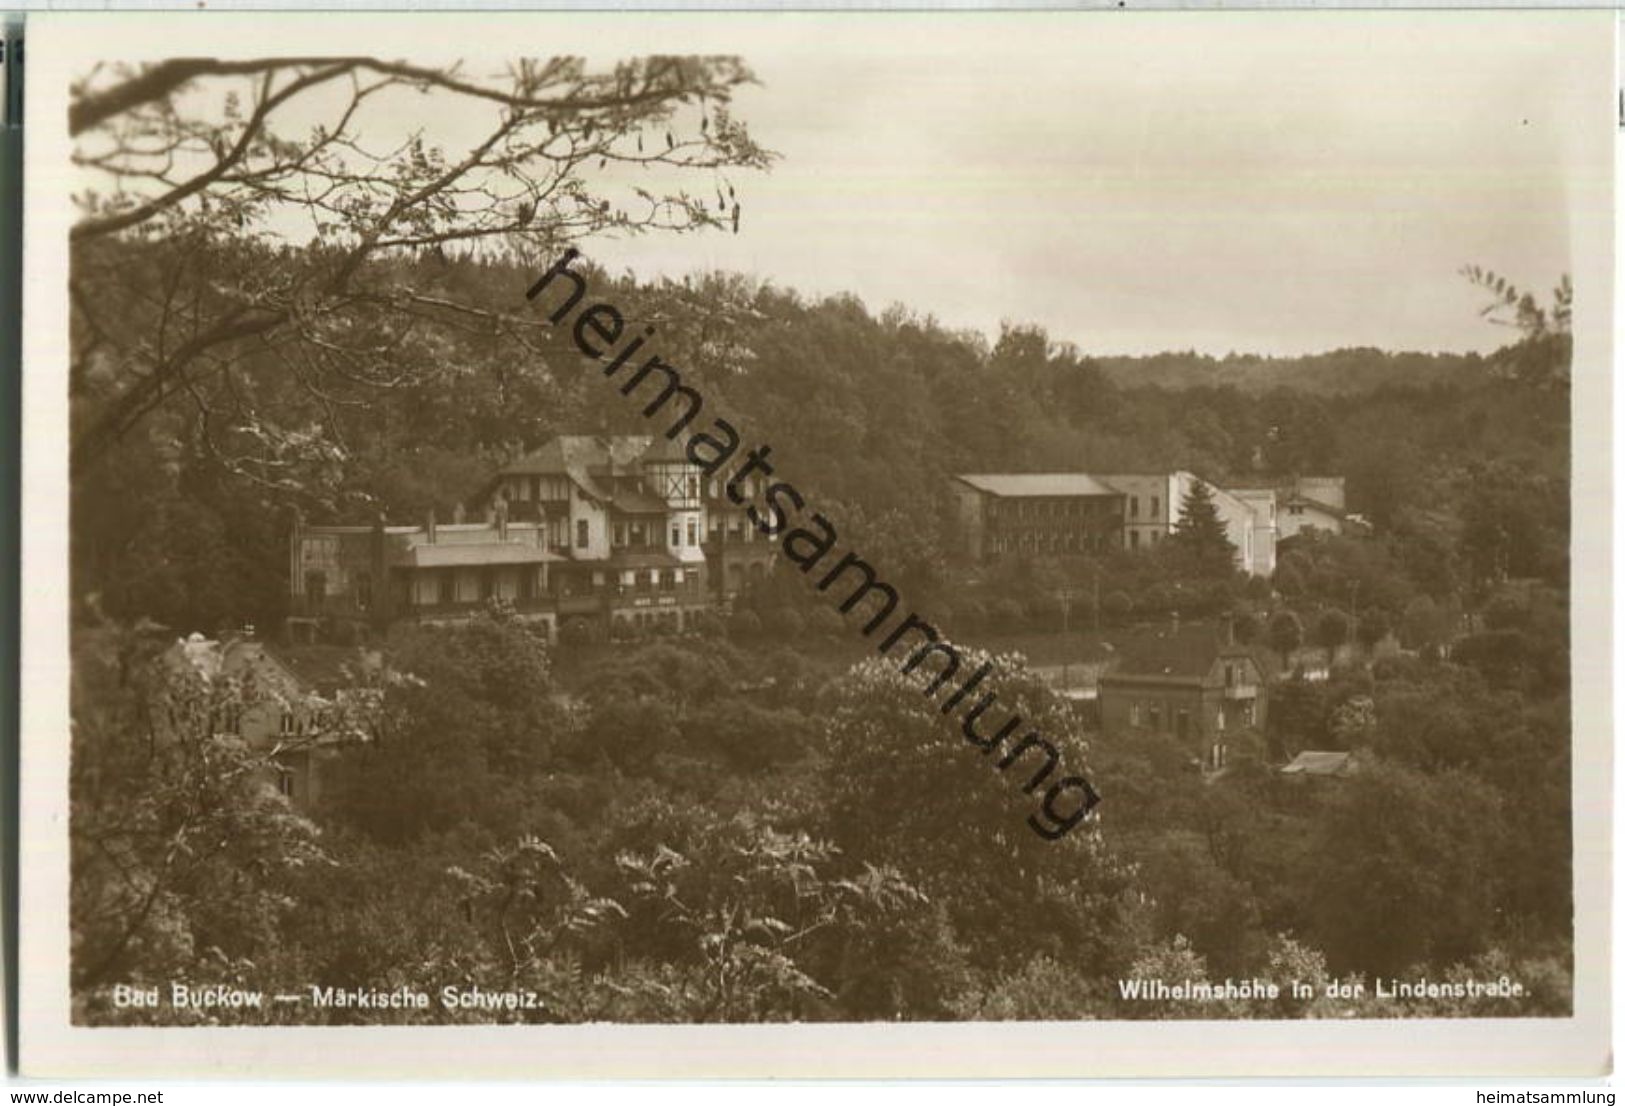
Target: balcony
pixel 468 607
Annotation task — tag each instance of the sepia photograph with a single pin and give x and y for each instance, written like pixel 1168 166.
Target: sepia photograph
pixel 838 520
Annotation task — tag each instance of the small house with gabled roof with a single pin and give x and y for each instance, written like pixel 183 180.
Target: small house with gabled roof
pixel 1195 682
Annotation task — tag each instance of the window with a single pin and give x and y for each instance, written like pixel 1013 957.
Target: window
pixel 1156 718
pixel 582 533
pixel 1134 539
pixel 693 532
pixel 676 535
pixel 1155 504
pixel 1134 506
pixel 448 586
pixel 1229 675
pixel 316 589
pixel 694 487
pixel 620 534
pixel 363 591
pixel 668 580
pixel 287 726
pixel 1135 717
pixel 488 583
pixel 1218 719
pixel 284 783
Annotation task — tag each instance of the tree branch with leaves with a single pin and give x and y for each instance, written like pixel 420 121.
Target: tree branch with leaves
pixel 236 213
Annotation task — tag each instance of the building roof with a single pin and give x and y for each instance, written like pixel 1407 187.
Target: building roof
pixel 471 554
pixel 586 459
pixel 662 448
pixel 1187 653
pixel 565 454
pixel 239 658
pixel 1320 764
pixel 1299 499
pixel 326 668
pixel 639 503
pixel 1038 483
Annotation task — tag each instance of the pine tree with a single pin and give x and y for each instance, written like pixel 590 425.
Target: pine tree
pixel 1200 534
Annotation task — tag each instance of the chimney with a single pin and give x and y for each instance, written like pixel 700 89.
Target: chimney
pixel 429 527
pixel 502 519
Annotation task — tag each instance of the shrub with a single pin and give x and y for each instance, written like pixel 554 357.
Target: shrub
pixel 706 624
pixel 787 621
pixel 824 620
pixel 1117 604
pixel 576 631
pixel 744 626
pixel 972 614
pixel 1008 614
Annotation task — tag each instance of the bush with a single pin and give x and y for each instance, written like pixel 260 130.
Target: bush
pixel 1332 631
pixel 824 620
pixel 342 632
pixel 744 626
pixel 972 614
pixel 1373 627
pixel 1044 612
pixel 1118 605
pixel 1285 634
pixel 752 738
pixel 787 621
pixel 1008 614
pixel 1289 581
pixel 1247 628
pixel 706 624
pixel 576 631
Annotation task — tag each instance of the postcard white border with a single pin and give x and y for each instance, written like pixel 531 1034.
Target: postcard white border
pixel 60 44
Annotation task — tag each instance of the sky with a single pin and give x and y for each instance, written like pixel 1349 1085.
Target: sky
pixel 1275 183
pixel 1279 187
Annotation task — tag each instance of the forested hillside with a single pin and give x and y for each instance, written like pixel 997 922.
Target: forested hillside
pixel 1340 372
pixel 189 509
